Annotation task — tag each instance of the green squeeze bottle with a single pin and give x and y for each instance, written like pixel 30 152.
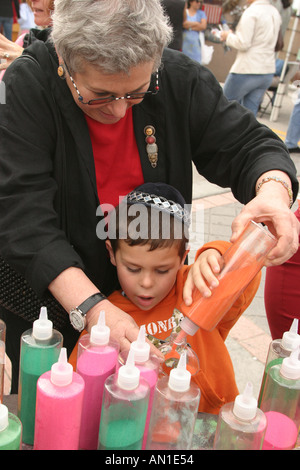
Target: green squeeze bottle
pixel 40 348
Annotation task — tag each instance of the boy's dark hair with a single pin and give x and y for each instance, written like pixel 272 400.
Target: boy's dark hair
pixel 148 217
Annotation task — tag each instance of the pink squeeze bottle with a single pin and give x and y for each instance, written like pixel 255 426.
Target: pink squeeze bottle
pixel 97 360
pixel 148 366
pixel 59 400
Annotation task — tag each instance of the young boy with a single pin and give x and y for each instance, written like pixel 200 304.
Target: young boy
pixel 148 245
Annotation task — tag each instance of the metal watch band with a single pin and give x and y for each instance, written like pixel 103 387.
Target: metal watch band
pixel 90 302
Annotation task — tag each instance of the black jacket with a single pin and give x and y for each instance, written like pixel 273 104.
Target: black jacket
pixel 48 194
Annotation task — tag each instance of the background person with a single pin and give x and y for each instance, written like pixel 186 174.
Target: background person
pixel 7 16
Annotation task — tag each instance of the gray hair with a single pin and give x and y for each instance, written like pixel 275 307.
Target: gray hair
pixel 113 35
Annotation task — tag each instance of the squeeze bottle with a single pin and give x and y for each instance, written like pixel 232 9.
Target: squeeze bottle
pixel 174 410
pixel 97 360
pixel 2 357
pixel 241 424
pixel 148 366
pixel 278 350
pixel 59 401
pixel 40 348
pixel 10 430
pixel 281 404
pixel 241 262
pixel 124 409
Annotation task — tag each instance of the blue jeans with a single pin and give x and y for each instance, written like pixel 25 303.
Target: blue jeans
pixel 293 131
pixel 7 26
pixel 247 89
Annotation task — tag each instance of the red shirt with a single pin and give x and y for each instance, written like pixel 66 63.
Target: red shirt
pixel 116 156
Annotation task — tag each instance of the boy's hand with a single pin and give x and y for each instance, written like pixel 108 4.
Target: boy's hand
pixel 203 275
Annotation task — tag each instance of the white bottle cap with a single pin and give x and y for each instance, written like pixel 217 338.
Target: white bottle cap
pixel 189 326
pixel 245 405
pixel 42 327
pixel 290 367
pixel 100 333
pixel 140 347
pixel 291 339
pixel 3 417
pixel 129 374
pixel 180 378
pixel 62 371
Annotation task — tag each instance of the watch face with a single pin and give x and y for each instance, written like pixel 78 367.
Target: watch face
pixel 77 320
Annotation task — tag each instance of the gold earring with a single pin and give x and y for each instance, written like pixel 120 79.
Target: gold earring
pixel 61 71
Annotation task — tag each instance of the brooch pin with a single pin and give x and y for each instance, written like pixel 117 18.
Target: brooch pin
pixel 151 146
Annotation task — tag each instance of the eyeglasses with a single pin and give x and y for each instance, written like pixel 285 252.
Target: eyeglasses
pixel 110 98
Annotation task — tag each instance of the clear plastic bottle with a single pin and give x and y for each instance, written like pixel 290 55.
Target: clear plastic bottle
pixel 10 430
pixel 174 410
pixel 241 262
pixel 241 424
pixel 280 403
pixel 59 400
pixel 148 366
pixel 97 360
pixel 40 348
pixel 2 358
pixel 124 409
pixel 278 350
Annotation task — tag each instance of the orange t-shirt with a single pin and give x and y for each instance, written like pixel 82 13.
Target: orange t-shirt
pixel 216 378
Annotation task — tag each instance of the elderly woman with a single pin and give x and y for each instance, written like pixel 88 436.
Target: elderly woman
pixel 92 113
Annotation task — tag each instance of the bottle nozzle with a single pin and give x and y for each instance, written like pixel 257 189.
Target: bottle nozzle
pixel 42 327
pixel 129 374
pixel 245 405
pixel 291 339
pixel 100 333
pixel 180 378
pixel 140 347
pixel 62 371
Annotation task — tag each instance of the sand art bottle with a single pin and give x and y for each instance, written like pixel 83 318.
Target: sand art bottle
pixel 174 410
pixel 278 350
pixel 281 404
pixel 40 348
pixel 241 424
pixel 124 409
pixel 148 366
pixel 97 360
pixel 59 402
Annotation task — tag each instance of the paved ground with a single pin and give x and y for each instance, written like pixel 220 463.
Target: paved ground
pixel 249 340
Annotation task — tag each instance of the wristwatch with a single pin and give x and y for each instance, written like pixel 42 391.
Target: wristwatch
pixel 77 314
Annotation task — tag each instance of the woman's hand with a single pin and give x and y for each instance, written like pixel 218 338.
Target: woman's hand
pixel 203 274
pixel 11 48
